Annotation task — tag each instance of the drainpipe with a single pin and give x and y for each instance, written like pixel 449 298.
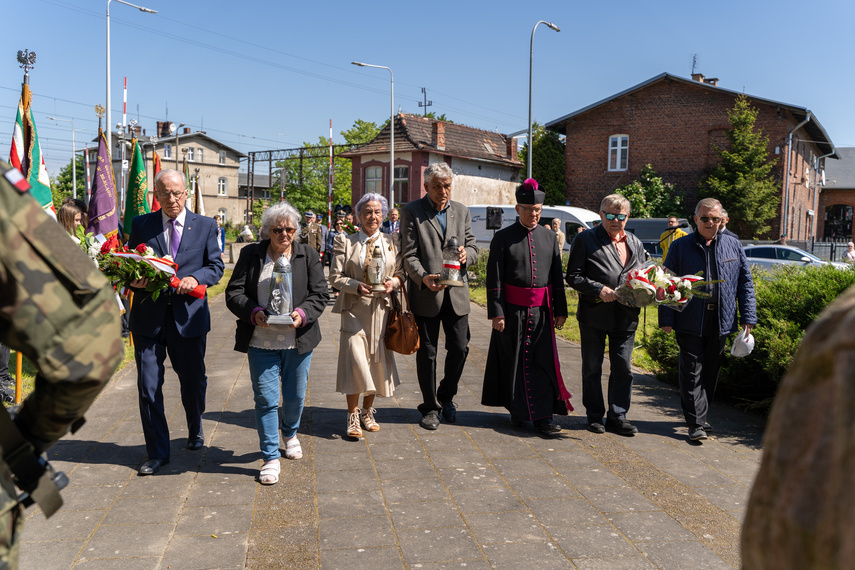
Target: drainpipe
pixel 784 229
pixel 816 192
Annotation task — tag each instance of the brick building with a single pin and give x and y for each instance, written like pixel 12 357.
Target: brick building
pixel 673 124
pixel 485 163
pixel 837 200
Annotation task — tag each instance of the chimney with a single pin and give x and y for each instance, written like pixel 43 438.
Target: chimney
pixel 511 148
pixel 163 129
pixel 712 81
pixel 437 135
pixel 698 77
pixel 186 130
pixel 137 130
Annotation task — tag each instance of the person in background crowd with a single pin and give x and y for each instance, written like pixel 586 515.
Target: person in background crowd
pixel 559 235
pixel 849 255
pixel 674 232
pixel 365 365
pixel 723 227
pixel 221 233
pixel 525 301
pixel 69 217
pixel 701 328
pixel 391 225
pixel 245 235
pixel 329 244
pixel 782 240
pixel 600 259
pixel 324 233
pixel 427 225
pixel 176 323
pixel 279 355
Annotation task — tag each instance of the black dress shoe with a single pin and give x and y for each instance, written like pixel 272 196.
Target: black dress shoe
pixel 596 427
pixel 545 427
pixel 620 427
pixel 195 443
pixel 449 413
pixel 430 420
pixel 152 466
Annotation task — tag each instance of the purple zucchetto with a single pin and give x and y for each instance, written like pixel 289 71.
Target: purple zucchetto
pixel 527 193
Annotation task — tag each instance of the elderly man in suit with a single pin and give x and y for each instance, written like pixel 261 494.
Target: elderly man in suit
pixel 600 259
pixel 176 323
pixel 427 225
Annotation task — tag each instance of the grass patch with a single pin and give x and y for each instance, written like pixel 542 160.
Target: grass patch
pixel 648 323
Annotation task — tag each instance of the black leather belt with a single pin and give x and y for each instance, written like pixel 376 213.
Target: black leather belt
pixel 711 306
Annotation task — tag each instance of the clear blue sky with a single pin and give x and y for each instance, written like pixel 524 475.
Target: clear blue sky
pixel 271 74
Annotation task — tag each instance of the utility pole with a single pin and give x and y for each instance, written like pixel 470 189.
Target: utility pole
pixel 426 102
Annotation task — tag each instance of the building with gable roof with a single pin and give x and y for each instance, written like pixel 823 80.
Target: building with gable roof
pixel 674 124
pixel 485 164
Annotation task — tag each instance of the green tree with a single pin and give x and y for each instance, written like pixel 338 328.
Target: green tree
pixel 548 165
pixel 651 197
pixel 313 193
pixel 361 132
pixel 61 186
pixel 443 118
pixel 743 180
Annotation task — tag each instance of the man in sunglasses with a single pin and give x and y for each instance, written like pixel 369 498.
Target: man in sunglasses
pixel 702 327
pixel 600 259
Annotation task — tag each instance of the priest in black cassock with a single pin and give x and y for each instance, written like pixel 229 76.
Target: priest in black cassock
pixel 525 300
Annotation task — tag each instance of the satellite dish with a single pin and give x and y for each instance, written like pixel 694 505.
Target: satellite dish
pixel 172 128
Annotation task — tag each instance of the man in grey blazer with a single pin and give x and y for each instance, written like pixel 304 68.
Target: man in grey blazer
pixel 426 226
pixel 600 259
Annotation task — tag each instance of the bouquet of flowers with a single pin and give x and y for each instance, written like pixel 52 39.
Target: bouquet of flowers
pixel 652 284
pixel 122 265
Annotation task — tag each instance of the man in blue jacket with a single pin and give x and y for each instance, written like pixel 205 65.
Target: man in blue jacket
pixel 702 327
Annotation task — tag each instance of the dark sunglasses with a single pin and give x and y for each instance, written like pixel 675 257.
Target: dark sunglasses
pixel 278 231
pixel 708 219
pixel 620 217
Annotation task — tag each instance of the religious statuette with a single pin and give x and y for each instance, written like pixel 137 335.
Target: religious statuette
pixel 280 304
pixel 450 274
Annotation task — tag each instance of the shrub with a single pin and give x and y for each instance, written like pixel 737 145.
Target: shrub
pixel 788 300
pixel 478 271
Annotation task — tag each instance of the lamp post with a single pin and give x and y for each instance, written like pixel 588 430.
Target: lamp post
pixel 177 130
pixel 73 155
pixel 391 132
pixel 530 66
pixel 141 9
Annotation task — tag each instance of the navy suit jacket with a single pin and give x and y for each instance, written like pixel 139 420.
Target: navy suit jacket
pixel 198 256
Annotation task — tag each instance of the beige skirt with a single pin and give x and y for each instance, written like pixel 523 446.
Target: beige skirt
pixel 365 365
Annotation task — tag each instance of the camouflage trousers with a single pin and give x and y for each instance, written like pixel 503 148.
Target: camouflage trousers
pixel 11 520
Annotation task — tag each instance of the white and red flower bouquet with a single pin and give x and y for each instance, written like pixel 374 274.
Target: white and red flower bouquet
pixel 652 284
pixel 122 265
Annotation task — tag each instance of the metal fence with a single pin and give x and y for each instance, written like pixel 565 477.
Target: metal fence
pixel 827 250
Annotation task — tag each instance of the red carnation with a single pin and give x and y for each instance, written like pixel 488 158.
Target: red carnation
pixel 141 249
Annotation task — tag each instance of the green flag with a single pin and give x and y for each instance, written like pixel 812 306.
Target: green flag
pixel 136 203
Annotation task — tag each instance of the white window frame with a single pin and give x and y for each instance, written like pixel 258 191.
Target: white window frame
pixel 167 151
pixel 223 215
pixel 373 179
pixel 222 187
pixel 199 154
pixel 191 154
pixel 618 154
pixel 222 157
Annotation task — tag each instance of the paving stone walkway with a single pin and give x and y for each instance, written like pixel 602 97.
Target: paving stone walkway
pixel 475 494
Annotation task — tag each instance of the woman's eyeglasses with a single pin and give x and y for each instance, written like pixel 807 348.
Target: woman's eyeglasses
pixel 278 231
pixel 620 217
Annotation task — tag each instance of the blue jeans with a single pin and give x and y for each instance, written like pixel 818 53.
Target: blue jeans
pixel 268 368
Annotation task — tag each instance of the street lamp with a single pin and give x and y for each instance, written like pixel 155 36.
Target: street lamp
pixel 530 65
pixel 141 9
pixel 391 132
pixel 73 155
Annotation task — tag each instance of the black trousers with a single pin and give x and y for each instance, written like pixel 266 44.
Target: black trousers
pixel 620 372
pixel 456 328
pixel 4 365
pixel 699 366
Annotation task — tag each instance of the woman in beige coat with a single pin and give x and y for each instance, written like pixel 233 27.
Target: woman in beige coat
pixel 365 365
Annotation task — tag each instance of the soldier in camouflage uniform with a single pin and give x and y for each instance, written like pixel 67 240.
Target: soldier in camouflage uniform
pixel 58 310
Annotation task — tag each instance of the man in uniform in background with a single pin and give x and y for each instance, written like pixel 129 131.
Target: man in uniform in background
pixel 68 328
pixel 674 232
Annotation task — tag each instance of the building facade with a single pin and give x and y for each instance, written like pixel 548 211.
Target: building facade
pixel 675 125
pixel 485 163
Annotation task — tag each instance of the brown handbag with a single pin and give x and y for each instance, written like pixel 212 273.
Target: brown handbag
pixel 402 333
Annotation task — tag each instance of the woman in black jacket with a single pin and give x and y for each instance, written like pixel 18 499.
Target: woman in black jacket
pixel 278 354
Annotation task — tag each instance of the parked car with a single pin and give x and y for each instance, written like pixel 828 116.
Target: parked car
pixel 773 256
pixel 649 231
pixel 572 219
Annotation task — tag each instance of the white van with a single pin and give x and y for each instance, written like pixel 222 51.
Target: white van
pixel 571 220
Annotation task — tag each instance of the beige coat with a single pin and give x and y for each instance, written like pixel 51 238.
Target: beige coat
pixel 365 365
